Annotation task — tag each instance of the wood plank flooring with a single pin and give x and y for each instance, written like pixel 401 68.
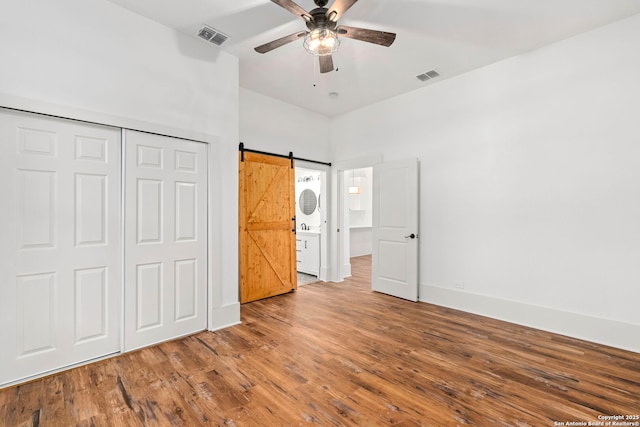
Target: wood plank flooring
pixel 338 354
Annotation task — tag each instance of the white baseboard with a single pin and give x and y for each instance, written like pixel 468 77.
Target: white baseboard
pixel 324 274
pixel 346 270
pixel 225 316
pixel 602 331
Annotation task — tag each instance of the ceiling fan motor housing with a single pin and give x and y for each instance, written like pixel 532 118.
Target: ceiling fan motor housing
pixel 320 20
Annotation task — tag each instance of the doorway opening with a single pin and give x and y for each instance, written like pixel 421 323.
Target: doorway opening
pixel 311 230
pixel 394 225
pixel 358 196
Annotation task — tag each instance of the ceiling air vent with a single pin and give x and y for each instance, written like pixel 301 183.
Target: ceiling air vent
pixel 428 75
pixel 212 36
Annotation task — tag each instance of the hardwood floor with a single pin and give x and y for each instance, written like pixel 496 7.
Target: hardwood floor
pixel 339 354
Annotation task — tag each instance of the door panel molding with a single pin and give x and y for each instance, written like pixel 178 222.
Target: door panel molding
pixel 395 229
pixel 165 229
pixel 60 263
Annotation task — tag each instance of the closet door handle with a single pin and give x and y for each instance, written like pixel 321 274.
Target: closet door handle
pixel 410 236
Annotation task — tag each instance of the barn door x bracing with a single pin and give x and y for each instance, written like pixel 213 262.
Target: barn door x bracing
pixel 267 238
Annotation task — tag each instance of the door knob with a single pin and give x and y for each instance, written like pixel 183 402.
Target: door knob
pixel 410 236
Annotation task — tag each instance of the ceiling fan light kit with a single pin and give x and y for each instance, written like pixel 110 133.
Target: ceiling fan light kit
pixel 321 41
pixel 322 38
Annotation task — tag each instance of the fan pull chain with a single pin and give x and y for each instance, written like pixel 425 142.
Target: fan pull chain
pixel 315 70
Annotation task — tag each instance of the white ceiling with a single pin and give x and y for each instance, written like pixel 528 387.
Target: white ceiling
pixel 450 36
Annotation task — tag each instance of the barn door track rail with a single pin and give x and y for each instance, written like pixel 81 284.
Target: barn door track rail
pixel 287 156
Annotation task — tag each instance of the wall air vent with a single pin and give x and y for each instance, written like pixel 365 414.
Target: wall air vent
pixel 428 75
pixel 212 35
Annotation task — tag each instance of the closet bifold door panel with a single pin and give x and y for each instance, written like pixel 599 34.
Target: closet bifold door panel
pixel 60 247
pixel 165 251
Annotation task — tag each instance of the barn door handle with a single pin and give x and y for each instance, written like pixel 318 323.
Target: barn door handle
pixel 410 236
pixel 295 226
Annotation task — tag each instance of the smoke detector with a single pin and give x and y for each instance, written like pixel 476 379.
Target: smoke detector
pixel 212 35
pixel 428 75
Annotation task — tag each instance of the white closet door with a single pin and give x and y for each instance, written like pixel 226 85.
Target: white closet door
pixel 60 272
pixel 165 238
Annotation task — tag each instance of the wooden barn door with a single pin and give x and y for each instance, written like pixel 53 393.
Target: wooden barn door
pixel 267 237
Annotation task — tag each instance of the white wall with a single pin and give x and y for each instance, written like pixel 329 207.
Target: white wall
pixel 530 184
pixel 360 241
pixel 361 204
pixel 360 211
pixel 271 125
pixel 93 60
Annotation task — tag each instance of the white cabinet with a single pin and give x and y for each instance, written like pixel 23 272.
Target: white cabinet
pixel 308 252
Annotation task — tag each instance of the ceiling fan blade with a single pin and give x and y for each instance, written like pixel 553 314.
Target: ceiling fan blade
pixel 326 63
pixel 268 47
pixel 338 8
pixel 294 8
pixel 382 38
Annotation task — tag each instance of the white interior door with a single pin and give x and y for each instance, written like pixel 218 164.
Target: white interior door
pixel 395 229
pixel 165 238
pixel 60 243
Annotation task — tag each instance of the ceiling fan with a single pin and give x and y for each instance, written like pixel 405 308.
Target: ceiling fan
pixel 321 39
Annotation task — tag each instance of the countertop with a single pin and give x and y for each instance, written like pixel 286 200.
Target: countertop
pixel 299 231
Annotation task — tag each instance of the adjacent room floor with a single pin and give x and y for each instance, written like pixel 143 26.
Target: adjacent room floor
pixel 305 279
pixel 340 354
